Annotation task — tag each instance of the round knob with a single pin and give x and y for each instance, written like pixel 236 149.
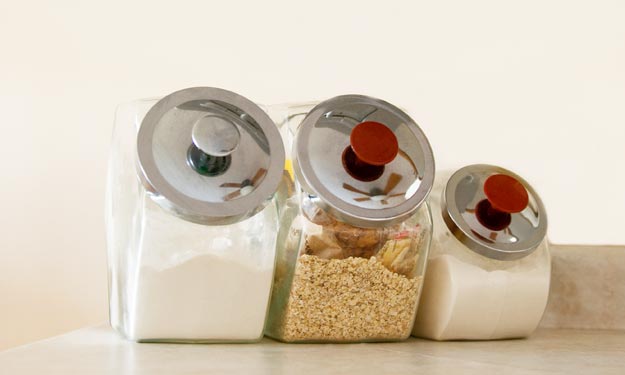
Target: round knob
pixel 215 135
pixel 374 143
pixel 372 146
pixel 505 193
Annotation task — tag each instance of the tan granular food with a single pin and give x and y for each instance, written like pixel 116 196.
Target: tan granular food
pixel 353 299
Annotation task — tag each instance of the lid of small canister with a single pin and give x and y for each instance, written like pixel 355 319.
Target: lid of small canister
pixel 209 156
pixel 364 160
pixel 494 212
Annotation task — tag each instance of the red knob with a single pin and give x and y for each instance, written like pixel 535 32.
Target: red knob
pixel 374 143
pixel 506 193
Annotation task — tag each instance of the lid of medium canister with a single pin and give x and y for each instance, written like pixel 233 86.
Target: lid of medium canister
pixel 364 160
pixel 209 156
pixel 494 212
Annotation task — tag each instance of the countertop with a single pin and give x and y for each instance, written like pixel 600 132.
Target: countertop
pixel 99 350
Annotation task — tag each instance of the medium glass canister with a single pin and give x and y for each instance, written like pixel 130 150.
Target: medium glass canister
pixel 192 218
pixel 489 267
pixel 355 233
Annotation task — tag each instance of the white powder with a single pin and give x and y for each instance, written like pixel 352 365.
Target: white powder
pixel 195 282
pixel 461 301
pixel 204 298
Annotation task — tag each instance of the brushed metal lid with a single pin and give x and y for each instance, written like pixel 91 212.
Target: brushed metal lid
pixel 209 156
pixel 364 160
pixel 494 212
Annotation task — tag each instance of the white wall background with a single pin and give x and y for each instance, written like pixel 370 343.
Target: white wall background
pixel 536 86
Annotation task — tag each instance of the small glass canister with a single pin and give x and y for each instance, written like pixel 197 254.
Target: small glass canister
pixel 354 236
pixel 192 217
pixel 489 267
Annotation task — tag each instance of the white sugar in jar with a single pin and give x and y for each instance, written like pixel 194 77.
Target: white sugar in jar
pixel 192 217
pixel 489 268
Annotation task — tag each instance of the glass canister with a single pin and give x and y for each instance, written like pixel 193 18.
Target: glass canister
pixel 288 117
pixel 192 217
pixel 355 234
pixel 489 267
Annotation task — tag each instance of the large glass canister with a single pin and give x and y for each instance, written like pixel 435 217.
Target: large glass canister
pixel 192 217
pixel 355 234
pixel 489 267
pixel 288 117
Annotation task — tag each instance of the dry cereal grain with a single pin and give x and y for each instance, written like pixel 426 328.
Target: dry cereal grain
pixel 352 299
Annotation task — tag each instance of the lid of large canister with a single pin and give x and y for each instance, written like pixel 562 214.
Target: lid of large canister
pixel 494 212
pixel 209 155
pixel 366 161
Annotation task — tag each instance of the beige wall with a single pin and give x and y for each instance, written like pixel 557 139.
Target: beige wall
pixel 543 82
